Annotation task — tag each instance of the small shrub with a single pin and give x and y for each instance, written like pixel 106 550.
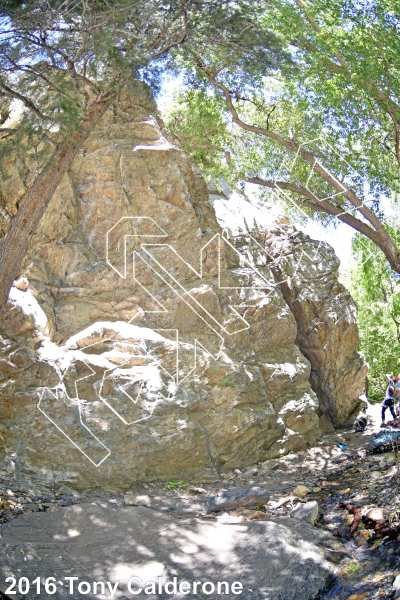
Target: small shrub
pixel 351 568
pixel 377 543
pixel 288 456
pixel 175 485
pixel 225 383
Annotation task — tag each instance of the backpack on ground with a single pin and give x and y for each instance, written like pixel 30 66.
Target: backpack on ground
pixel 385 437
pixel 360 424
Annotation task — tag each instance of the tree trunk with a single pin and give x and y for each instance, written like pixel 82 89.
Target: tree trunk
pixel 23 225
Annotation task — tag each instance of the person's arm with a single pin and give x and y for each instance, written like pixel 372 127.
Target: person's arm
pixel 389 377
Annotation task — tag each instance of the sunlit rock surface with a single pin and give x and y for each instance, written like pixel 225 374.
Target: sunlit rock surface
pixel 166 331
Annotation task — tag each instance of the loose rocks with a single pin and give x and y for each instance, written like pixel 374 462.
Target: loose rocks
pixel 137 500
pixel 306 512
pixel 248 497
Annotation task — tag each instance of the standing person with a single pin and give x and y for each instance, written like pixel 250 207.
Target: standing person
pixel 389 400
pixel 396 394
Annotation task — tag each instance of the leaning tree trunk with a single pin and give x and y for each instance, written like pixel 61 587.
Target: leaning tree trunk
pixel 23 225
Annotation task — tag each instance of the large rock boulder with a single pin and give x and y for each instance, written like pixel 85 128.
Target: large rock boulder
pixel 306 272
pixel 147 340
pixel 327 332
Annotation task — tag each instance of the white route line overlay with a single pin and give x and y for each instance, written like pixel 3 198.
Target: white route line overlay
pixel 285 193
pixel 83 425
pixel 80 403
pixel 197 344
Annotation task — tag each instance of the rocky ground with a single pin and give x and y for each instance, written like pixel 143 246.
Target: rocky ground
pixel 332 476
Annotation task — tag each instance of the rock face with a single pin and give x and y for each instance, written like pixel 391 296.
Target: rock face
pixel 306 512
pixel 151 337
pixel 326 315
pixel 254 497
pixel 326 318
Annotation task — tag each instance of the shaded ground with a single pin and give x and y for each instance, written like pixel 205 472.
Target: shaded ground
pixel 297 561
pixel 98 542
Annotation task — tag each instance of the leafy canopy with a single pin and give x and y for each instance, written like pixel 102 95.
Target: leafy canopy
pixel 58 56
pixel 376 289
pixel 335 104
pixel 349 79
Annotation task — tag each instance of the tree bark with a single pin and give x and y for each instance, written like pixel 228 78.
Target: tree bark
pixel 23 225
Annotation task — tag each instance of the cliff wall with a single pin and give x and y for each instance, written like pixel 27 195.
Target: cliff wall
pixel 161 330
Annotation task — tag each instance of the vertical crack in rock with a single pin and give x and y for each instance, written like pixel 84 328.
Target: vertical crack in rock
pixel 326 318
pixel 212 459
pixel 306 272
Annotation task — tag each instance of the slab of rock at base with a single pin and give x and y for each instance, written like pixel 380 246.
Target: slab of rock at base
pixel 306 512
pixel 272 464
pixel 249 497
pixel 396 587
pixel 95 542
pixel 377 514
pixel 256 514
pixel 137 500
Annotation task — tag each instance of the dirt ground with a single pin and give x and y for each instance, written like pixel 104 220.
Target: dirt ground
pixel 332 476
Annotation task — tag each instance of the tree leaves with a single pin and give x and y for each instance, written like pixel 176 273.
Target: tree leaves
pixel 322 133
pixel 376 289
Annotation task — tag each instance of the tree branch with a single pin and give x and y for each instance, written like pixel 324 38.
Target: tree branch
pixel 318 29
pixel 29 69
pixel 175 42
pixel 343 68
pixel 310 200
pixel 4 212
pixel 391 251
pixel 9 93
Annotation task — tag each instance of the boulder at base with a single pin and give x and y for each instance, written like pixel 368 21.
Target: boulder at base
pixel 234 498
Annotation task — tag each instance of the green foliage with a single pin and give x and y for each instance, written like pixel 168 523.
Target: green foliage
pixel 203 126
pixel 376 290
pixel 196 118
pixel 55 61
pixel 175 485
pixel 289 456
pixel 225 383
pixel 349 79
pixel 58 57
pixel 351 568
pixel 338 97
pixel 230 38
